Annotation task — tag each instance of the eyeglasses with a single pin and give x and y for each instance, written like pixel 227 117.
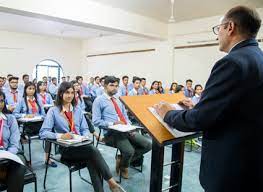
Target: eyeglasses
pixel 217 27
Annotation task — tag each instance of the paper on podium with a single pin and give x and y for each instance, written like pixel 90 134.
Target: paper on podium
pixel 10 156
pixel 124 128
pixel 172 130
pixel 33 119
pixel 76 139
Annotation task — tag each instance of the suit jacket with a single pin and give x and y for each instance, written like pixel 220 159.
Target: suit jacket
pixel 230 114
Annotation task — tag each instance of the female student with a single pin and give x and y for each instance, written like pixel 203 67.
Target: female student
pixel 42 96
pixel 13 174
pixel 154 88
pixel 160 87
pixel 78 99
pixel 197 94
pixel 179 89
pixel 173 88
pixel 66 118
pixel 29 106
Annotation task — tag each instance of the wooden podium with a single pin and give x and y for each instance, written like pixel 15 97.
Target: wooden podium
pixel 138 106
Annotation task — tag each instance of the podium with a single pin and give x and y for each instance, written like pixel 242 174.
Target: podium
pixel 138 106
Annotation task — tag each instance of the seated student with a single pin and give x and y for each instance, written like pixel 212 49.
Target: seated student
pixel 197 94
pixel 108 110
pixel 179 89
pixel 13 94
pixel 95 86
pixel 136 86
pixel 154 88
pixel 143 89
pixel 67 118
pixel 42 96
pixel 6 85
pixel 173 88
pixel 53 87
pixel 124 88
pixel 25 79
pixel 13 174
pixel 79 101
pixel 84 90
pixel 160 87
pixel 189 92
pixel 100 90
pixel 2 82
pixel 29 106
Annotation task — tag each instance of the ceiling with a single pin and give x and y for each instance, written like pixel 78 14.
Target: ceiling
pixel 184 9
pixel 18 23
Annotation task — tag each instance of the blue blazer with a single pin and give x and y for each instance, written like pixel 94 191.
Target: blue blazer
pixel 230 114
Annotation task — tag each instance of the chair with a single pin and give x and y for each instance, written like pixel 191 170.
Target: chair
pixel 72 167
pixel 101 128
pixel 30 176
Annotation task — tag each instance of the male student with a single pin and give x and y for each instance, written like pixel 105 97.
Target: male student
pixel 25 79
pixel 108 110
pixel 189 91
pixel 53 87
pixel 230 110
pixel 124 88
pixel 13 94
pixel 143 89
pixel 95 86
pixel 7 81
pixel 100 90
pixel 136 86
pixel 83 88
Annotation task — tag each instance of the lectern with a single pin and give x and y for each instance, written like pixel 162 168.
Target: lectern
pixel 138 106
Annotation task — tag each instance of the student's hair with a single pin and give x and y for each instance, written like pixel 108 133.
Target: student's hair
pixel 9 75
pixel 125 76
pixel 143 79
pixel 246 20
pixel 74 82
pixel 53 78
pixel 63 77
pixel 103 78
pixel 38 85
pixel 4 110
pixel 111 79
pixel 28 84
pixel 171 88
pixel 79 77
pixel 1 77
pixel 189 80
pixel 13 78
pixel 44 77
pixel 24 76
pixel 136 79
pixel 64 86
pixel 179 88
pixel 153 84
pixel 96 78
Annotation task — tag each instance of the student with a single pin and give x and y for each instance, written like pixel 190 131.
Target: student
pixel 95 86
pixel 68 79
pixel 29 106
pixel 53 87
pixel 63 79
pixel 197 94
pixel 124 89
pixel 43 97
pixel 35 81
pixel 25 79
pixel 6 85
pixel 84 91
pixel 160 87
pixel 100 90
pixel 66 117
pixel 189 92
pixel 143 90
pixel 136 86
pixel 13 174
pixel 154 88
pixel 179 89
pixel 79 101
pixel 108 110
pixel 173 88
pixel 13 94
pixel 91 82
pixel 2 83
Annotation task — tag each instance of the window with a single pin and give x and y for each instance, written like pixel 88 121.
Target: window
pixel 48 68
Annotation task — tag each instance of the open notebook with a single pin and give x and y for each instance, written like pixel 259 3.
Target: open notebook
pixel 172 130
pixel 33 119
pixel 124 128
pixel 76 139
pixel 10 156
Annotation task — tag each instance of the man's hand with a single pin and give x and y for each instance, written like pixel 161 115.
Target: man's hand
pixel 162 108
pixel 187 103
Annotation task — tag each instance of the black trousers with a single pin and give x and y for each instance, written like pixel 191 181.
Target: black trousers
pixel 95 163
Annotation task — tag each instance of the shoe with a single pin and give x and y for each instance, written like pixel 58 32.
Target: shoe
pixel 125 173
pixel 52 164
pixel 117 189
pixel 118 162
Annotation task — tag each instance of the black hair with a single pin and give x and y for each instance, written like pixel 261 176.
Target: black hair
pixel 179 88
pixel 24 76
pixel 111 79
pixel 13 78
pixel 189 80
pixel 153 84
pixel 125 76
pixel 136 79
pixel 79 77
pixel 4 110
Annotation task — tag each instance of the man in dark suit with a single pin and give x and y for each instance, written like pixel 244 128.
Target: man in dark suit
pixel 230 112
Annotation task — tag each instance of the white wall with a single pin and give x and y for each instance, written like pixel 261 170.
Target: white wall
pixel 20 52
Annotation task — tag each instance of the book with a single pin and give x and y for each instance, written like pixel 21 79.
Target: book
pixel 172 130
pixel 10 156
pixel 124 128
pixel 33 119
pixel 76 139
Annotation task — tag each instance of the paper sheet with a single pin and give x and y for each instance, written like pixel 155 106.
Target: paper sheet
pixel 10 156
pixel 34 119
pixel 76 139
pixel 123 128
